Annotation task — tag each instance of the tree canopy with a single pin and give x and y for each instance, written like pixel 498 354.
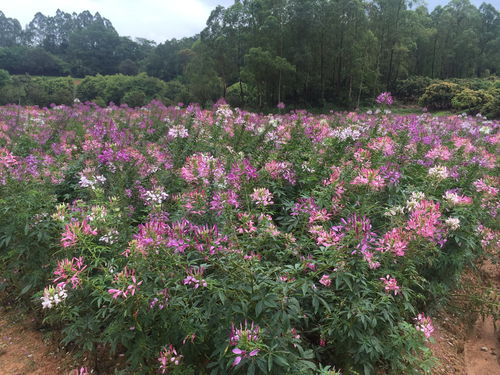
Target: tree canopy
pixel 306 52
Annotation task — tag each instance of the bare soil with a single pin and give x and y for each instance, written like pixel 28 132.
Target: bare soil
pixel 23 350
pixel 465 343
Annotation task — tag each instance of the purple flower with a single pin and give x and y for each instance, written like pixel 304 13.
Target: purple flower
pixel 385 98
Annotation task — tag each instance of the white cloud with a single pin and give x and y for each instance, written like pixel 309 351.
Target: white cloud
pixel 153 19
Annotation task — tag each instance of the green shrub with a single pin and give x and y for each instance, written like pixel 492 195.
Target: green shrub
pixel 474 83
pixel 175 92
pixel 409 90
pixel 41 91
pixel 99 101
pixel 470 101
pixel 134 98
pixel 239 95
pixel 4 77
pixel 491 108
pixel 439 95
pixel 114 88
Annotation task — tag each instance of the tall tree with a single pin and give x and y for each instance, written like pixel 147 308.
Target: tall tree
pixel 11 32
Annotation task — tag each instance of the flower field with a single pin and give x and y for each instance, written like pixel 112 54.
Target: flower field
pixel 190 241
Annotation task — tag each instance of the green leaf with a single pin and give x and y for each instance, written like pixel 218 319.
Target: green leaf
pixel 26 289
pixel 258 309
pixel 280 361
pixel 251 368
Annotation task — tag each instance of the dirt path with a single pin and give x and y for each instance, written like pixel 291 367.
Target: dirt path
pixel 22 350
pixel 482 349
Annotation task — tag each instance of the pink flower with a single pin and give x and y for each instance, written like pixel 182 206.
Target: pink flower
pixel 394 241
pixel 69 270
pixel 384 144
pixel 69 237
pixel 243 354
pixel 424 324
pixel 130 289
pixel 115 292
pixel 168 357
pixel 222 200
pixel 82 371
pixel 325 280
pixel 195 278
pixel 201 168
pixel 262 196
pixel 247 333
pixel 327 238
pixel 385 98
pixel 281 169
pixel 391 284
pixel 370 177
pixel 424 219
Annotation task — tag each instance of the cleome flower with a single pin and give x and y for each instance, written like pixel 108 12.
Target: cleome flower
pixel 424 324
pixel 168 358
pixel 262 197
pixel 53 296
pixel 246 340
pixel 391 284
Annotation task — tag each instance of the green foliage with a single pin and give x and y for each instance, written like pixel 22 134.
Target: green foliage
pixel 478 95
pixel 134 98
pixel 492 107
pixel 4 77
pixel 471 101
pixel 439 95
pixel 128 67
pixel 266 73
pixel 241 95
pixel 205 86
pixel 412 88
pixel 121 89
pixel 176 92
pixel 41 91
pixel 304 53
pixel 33 61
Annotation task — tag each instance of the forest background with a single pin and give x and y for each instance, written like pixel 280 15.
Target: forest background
pixel 258 53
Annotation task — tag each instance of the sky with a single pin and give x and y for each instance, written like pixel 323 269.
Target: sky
pixel 157 20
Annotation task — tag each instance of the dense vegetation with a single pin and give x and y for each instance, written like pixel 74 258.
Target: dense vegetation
pixel 262 52
pixel 473 96
pixel 192 241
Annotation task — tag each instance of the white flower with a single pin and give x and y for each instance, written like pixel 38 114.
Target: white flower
pixel 178 131
pixel 439 172
pixel 485 130
pixel 453 223
pixel 393 211
pixel 110 238
pixel 85 182
pixel 46 303
pixel 155 197
pixel 451 197
pixel 415 198
pixel 53 296
pixel 305 167
pixel 92 181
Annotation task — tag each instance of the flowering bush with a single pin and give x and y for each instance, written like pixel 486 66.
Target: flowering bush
pixel 189 240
